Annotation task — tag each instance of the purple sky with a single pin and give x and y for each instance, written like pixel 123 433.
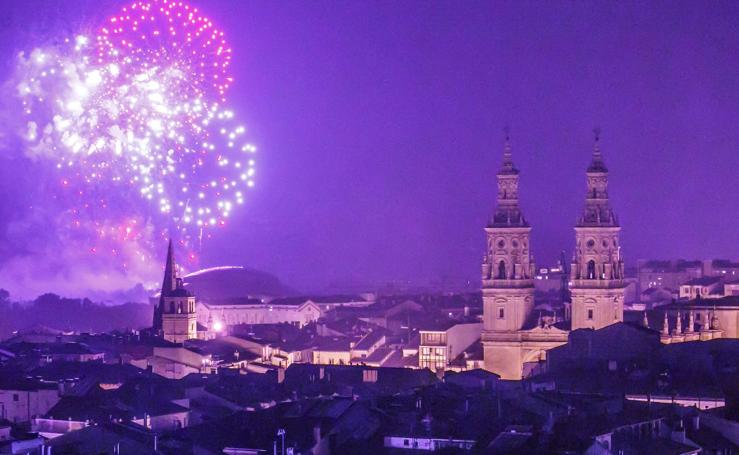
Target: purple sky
pixel 379 126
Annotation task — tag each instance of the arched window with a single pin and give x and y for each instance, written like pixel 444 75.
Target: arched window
pixel 591 270
pixel 501 270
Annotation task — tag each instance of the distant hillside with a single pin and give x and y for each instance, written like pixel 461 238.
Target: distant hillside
pixel 65 314
pixel 220 283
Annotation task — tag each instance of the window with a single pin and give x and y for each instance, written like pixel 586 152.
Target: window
pixel 15 397
pixel 591 270
pixel 501 313
pixel 406 442
pixel 590 315
pixel 501 270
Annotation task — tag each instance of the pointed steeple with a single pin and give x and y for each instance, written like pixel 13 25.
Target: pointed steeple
pixel 507 168
pixel 597 164
pixel 597 209
pixel 507 212
pixel 169 283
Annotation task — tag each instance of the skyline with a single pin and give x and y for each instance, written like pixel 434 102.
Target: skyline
pixel 380 131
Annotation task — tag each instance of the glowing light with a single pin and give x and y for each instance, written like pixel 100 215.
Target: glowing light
pixel 132 119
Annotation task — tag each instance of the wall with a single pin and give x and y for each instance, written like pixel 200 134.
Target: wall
pixel 22 405
pixel 331 357
pixel 258 314
pixel 460 337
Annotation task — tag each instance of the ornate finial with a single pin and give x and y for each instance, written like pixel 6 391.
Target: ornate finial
pixel 715 325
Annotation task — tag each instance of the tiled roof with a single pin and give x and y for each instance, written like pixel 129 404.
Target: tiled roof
pixel 703 281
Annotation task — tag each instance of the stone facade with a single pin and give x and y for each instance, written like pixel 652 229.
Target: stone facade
pixel 597 272
pixel 175 317
pixel 515 340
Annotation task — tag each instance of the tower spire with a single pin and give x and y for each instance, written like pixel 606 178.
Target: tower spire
pixel 169 283
pixel 597 164
pixel 507 211
pixel 597 209
pixel 507 168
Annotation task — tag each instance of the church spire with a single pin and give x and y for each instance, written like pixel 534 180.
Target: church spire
pixel 597 164
pixel 169 283
pixel 507 168
pixel 507 211
pixel 598 212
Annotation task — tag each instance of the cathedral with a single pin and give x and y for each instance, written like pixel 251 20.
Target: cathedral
pixel 515 338
pixel 175 317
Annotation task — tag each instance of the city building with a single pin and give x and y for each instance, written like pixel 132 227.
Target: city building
pixel 175 317
pixel 22 399
pixel 666 274
pixel 444 342
pixel 671 275
pixel 699 319
pixel 222 315
pixel 515 336
pixel 597 273
pixel 706 287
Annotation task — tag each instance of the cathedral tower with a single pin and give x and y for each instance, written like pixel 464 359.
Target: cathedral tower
pixel 174 317
pixel 597 272
pixel 507 274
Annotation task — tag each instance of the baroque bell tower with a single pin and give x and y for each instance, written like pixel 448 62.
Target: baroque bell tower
pixel 597 272
pixel 507 273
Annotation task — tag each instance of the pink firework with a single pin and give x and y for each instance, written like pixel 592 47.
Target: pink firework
pixel 171 34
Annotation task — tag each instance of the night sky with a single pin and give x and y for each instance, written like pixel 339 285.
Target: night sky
pixel 380 128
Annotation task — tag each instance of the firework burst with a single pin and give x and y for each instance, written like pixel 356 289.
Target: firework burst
pixel 134 124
